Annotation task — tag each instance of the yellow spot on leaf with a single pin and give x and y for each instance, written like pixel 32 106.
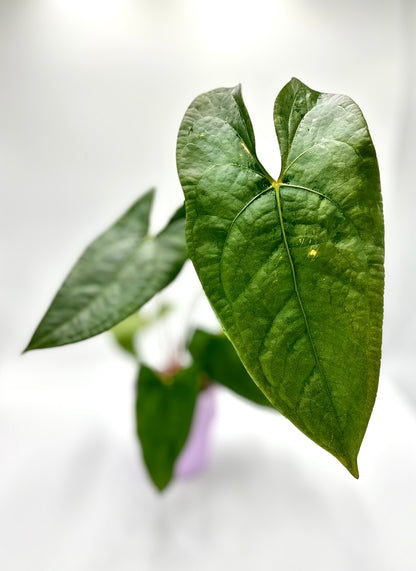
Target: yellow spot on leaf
pixel 312 253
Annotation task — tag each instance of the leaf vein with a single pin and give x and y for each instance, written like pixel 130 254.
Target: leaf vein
pixel 295 284
pixel 231 226
pixel 252 153
pixel 334 202
pixel 231 165
pixel 312 147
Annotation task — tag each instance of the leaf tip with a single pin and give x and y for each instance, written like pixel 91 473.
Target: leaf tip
pixel 39 341
pixel 351 465
pixel 237 90
pixel 150 193
pixel 160 480
pixel 160 486
pixel 33 344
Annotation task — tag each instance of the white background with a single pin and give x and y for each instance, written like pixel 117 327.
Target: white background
pixel 92 93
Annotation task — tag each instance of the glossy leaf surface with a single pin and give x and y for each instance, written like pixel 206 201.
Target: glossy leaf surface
pixel 165 406
pixel 293 267
pixel 118 273
pixel 215 356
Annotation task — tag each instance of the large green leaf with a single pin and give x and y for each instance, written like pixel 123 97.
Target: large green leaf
pixel 117 274
pixel 165 406
pixel 293 267
pixel 215 356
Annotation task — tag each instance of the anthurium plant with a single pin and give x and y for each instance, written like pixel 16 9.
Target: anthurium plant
pixel 293 268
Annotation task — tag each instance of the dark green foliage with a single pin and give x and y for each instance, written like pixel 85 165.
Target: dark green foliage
pixel 293 267
pixel 215 356
pixel 165 406
pixel 118 273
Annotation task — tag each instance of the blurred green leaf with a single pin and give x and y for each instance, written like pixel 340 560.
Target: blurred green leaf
pixel 117 274
pixel 126 331
pixel 165 406
pixel 216 357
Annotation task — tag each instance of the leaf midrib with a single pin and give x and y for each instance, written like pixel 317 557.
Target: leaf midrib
pixel 277 186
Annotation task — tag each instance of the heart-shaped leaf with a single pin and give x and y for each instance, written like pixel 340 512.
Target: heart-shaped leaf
pixel 118 273
pixel 165 406
pixel 293 267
